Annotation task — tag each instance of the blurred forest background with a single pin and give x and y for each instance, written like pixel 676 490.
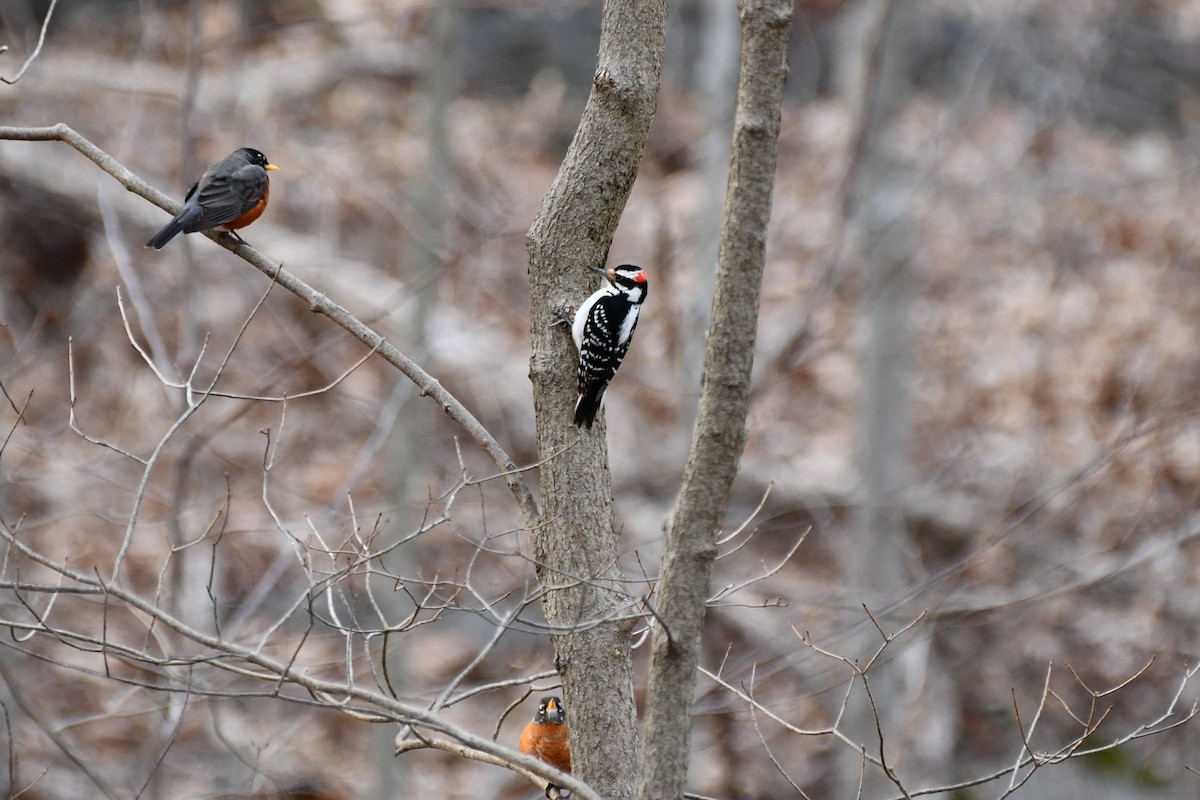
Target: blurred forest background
pixel 975 394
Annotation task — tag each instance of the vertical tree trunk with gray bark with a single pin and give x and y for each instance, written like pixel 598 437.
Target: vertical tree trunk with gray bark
pixel 720 432
pixel 576 545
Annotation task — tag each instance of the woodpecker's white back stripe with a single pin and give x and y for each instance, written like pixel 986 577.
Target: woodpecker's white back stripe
pixel 626 332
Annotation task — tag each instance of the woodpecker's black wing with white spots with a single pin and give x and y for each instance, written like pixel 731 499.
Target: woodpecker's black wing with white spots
pixel 606 334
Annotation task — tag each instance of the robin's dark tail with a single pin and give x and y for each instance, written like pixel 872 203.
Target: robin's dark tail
pixel 181 224
pixel 172 229
pixel 587 406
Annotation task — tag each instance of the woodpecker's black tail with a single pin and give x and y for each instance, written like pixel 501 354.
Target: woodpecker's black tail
pixel 587 407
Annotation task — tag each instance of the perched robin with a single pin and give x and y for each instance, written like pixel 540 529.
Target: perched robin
pixel 546 736
pixel 230 194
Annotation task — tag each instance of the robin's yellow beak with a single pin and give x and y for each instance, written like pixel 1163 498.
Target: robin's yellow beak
pixel 271 167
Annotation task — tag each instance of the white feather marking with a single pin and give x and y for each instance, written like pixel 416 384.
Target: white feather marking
pixel 627 325
pixel 585 309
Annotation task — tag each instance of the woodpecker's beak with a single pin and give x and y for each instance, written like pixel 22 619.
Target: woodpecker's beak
pixel 271 167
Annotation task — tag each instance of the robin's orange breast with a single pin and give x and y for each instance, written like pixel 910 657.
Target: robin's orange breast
pixel 251 215
pixel 547 741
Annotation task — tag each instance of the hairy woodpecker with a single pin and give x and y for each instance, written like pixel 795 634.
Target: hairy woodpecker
pixel 602 330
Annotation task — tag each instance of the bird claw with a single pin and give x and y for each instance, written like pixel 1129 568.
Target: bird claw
pixel 564 314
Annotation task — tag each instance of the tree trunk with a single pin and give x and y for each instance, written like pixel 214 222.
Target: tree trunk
pixel 576 545
pixel 878 557
pixel 720 432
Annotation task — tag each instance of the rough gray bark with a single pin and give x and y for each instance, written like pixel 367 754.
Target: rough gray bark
pixel 720 432
pixel 575 545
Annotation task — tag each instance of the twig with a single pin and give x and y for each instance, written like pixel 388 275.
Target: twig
pixel 883 762
pixel 20 418
pixel 11 404
pixel 139 498
pixel 137 294
pixel 73 421
pixel 767 572
pixel 53 734
pixel 736 532
pixel 766 747
pixel 1027 735
pixel 36 50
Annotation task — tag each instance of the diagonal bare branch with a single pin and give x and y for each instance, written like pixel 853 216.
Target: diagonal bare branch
pixel 317 302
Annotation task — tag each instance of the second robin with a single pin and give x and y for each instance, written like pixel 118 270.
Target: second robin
pixel 546 736
pixel 230 195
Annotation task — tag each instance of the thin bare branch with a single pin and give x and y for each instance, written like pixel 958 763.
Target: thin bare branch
pixel 879 737
pixel 18 421
pixel 547 778
pixel 8 397
pixel 736 532
pixel 73 420
pixel 767 572
pixel 36 50
pixel 767 748
pixel 83 764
